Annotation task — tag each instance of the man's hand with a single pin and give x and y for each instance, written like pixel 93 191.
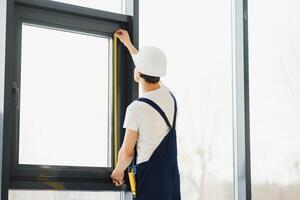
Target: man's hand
pixel 125 39
pixel 117 177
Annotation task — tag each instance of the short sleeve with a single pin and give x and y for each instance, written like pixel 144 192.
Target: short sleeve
pixel 131 120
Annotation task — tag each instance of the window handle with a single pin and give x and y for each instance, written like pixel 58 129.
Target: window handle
pixel 16 93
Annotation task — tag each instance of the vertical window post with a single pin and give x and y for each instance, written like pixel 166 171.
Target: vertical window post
pixel 241 100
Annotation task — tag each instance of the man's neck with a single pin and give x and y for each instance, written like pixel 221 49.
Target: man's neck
pixel 150 87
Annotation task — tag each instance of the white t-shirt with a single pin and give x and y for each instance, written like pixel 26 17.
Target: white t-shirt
pixel 148 122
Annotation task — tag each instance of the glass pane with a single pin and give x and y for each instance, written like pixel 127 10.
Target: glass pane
pixel 64 108
pixel 116 6
pixel 274 50
pixel 200 75
pixel 62 195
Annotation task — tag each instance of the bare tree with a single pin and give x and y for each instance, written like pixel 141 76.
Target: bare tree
pixel 210 132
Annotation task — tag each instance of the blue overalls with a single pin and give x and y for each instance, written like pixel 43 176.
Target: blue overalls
pixel 158 178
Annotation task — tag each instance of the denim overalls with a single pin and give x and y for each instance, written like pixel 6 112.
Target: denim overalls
pixel 158 178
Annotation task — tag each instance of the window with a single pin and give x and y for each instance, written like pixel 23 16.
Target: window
pixel 65 195
pixel 274 99
pixel 116 6
pixel 64 101
pixel 64 98
pixel 200 75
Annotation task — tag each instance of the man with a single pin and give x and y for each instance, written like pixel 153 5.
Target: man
pixel 150 124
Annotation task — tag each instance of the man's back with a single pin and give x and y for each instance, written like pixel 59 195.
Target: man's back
pixel 151 127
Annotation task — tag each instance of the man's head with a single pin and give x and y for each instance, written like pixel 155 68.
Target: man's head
pixel 151 64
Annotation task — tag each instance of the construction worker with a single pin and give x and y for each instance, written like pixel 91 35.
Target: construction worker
pixel 150 125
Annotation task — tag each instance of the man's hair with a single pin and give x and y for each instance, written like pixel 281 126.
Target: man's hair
pixel 150 79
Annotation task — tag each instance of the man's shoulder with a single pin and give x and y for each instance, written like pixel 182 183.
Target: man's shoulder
pixel 135 106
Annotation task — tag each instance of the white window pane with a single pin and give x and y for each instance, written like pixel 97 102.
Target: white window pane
pixel 116 6
pixel 274 58
pixel 64 98
pixel 200 75
pixel 62 195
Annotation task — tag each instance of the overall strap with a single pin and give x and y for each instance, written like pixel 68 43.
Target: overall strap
pixel 162 113
pixel 175 111
pixel 157 108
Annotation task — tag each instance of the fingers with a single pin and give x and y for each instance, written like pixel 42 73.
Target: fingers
pixel 118 183
pixel 119 32
pixel 117 178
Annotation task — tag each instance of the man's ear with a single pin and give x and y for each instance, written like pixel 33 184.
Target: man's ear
pixel 137 76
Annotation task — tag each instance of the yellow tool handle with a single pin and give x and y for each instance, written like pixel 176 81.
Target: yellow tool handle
pixel 132 183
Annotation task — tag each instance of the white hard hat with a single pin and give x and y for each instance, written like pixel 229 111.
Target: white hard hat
pixel 150 61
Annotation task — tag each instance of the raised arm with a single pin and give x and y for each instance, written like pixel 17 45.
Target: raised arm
pixel 125 39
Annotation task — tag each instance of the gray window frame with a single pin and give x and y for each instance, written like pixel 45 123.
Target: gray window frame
pixel 242 161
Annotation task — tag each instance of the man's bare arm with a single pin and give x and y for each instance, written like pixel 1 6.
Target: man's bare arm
pixel 127 150
pixel 125 39
pixel 125 156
